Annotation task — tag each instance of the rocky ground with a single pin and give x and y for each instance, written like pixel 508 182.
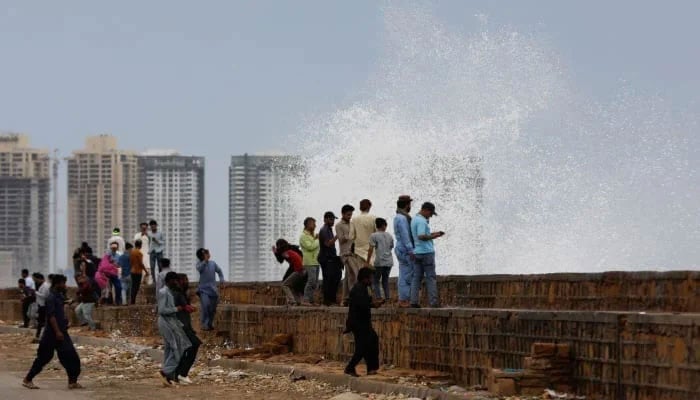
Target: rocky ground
pixel 123 373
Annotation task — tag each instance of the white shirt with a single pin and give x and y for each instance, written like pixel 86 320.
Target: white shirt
pixel 42 293
pixel 120 242
pixel 145 246
pixel 29 282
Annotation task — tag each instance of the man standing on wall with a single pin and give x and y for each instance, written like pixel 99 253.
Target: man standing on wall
pixel 208 290
pixel 142 235
pixel 404 248
pixel 308 242
pixel 331 265
pixel 138 269
pixel 363 226
pixel 117 238
pixel 156 247
pixel 425 256
pixel 351 261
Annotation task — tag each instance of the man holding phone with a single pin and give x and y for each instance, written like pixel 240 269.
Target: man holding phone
pixel 425 256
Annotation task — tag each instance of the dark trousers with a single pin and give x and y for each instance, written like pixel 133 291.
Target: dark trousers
pixel 135 286
pixel 25 312
pixel 188 359
pixel 66 355
pixel 41 320
pixel 332 273
pixel 367 347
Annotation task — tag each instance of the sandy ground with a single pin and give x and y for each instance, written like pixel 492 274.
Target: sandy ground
pixel 113 374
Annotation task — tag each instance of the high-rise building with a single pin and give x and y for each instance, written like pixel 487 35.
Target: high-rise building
pixel 171 191
pixel 102 193
pixel 260 193
pixel 25 188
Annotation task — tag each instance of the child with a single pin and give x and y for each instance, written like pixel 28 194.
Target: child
pixel 381 243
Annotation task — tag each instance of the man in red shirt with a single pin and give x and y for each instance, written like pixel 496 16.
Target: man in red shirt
pixel 293 255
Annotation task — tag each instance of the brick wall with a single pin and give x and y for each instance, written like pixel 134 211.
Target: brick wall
pixel 618 355
pixel 674 291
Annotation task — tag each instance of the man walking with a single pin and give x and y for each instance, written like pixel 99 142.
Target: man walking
pixel 425 256
pixel 28 279
pixel 56 339
pixel 182 299
pixel 310 249
pixel 351 261
pixel 42 293
pixel 208 290
pixel 404 248
pixel 359 322
pixel 142 235
pixel 174 337
pixel 363 226
pixel 156 247
pixel 331 265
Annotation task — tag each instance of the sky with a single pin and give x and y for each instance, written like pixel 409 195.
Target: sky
pixel 220 78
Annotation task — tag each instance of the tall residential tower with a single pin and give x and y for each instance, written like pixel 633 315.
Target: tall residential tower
pixel 102 193
pixel 260 189
pixel 25 188
pixel 171 191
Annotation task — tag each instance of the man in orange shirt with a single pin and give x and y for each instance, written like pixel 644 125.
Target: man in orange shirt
pixel 138 269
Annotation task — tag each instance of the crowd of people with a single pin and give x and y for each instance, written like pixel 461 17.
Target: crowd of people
pixel 116 278
pixel 364 252
pixel 362 241
pixel 365 249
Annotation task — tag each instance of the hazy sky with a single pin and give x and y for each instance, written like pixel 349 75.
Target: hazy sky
pixel 219 78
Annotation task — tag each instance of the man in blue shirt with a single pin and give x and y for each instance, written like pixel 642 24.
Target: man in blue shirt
pixel 404 248
pixel 425 256
pixel 124 262
pixel 55 338
pixel 207 291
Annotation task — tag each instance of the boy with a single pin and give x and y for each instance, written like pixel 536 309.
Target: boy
pixel 381 243
pixel 87 297
pixel 28 297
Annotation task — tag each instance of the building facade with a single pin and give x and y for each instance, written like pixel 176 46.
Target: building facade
pixel 102 193
pixel 260 200
pixel 171 191
pixel 25 190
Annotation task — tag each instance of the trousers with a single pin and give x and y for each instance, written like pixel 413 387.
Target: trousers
pixel 208 303
pixel 188 359
pixel 367 347
pixel 332 271
pixel 66 355
pixel 135 286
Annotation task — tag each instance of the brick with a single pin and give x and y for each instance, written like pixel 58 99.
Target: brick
pixel 505 387
pixel 543 349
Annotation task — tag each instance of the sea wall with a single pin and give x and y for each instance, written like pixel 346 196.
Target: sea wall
pixel 617 355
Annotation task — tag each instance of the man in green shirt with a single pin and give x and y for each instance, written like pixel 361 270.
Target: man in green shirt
pixel 308 242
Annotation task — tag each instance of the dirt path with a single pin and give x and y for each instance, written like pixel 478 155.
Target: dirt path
pixel 110 374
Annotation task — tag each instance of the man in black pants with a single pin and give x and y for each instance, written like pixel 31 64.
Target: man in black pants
pixel 182 299
pixel 359 322
pixel 331 266
pixel 55 338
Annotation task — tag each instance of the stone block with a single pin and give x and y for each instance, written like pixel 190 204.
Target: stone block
pixel 543 349
pixel 505 387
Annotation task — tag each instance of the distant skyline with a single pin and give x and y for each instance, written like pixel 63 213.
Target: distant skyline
pixel 225 78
